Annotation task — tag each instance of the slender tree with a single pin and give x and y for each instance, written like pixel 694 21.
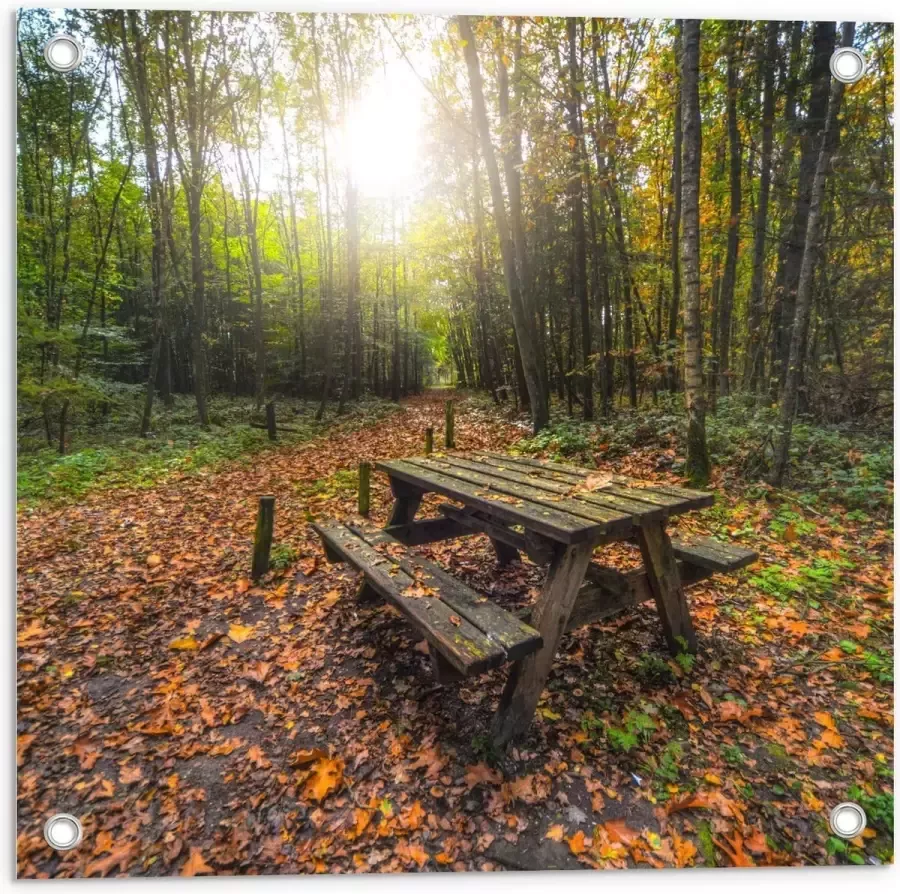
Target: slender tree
pixel 697 465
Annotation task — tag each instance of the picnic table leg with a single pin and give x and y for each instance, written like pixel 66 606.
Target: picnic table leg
pixel 665 584
pixel 551 613
pixel 406 502
pixel 505 553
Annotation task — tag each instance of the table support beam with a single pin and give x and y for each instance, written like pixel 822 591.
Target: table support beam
pixel 528 677
pixel 661 567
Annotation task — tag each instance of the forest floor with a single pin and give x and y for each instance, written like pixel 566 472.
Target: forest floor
pixel 199 724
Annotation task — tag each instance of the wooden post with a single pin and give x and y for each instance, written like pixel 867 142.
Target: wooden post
pixel 262 540
pixel 448 425
pixel 429 441
pixel 665 584
pixel 270 420
pixel 364 478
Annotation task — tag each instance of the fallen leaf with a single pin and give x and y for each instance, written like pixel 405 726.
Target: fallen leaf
pixel 153 560
pixel 555 833
pixel 327 776
pixel 196 865
pixel 120 858
pixel 23 743
pixel 184 644
pixel 239 633
pixel 576 843
pixel 482 773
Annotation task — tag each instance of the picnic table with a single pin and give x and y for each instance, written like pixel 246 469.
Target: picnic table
pixel 555 514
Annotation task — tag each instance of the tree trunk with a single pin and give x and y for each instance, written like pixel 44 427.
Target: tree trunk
pixel 523 326
pixel 675 237
pixel 756 309
pixel 726 296
pixel 576 198
pixel 697 465
pixel 800 328
pixel 794 243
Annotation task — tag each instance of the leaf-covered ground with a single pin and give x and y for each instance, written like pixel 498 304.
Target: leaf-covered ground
pixel 198 724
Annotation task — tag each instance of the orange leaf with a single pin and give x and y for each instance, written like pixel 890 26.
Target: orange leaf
pixel 196 865
pixel 121 857
pixel 555 833
pixel 23 743
pixel 685 850
pixel 327 776
pixel 239 633
pixel 576 843
pixel 481 773
pixel 619 832
pixel 153 560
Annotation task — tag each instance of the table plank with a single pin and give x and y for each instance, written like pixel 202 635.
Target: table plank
pixel 680 499
pixel 613 521
pixel 553 523
pixel 617 503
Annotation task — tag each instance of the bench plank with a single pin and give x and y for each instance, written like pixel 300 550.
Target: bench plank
pixel 515 637
pixel 712 554
pixel 463 645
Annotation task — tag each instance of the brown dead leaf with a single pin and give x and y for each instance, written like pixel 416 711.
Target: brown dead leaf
pixel 196 865
pixel 482 773
pixel 23 743
pixel 120 858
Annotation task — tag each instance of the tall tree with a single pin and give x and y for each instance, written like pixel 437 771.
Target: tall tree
pixel 726 295
pixel 697 464
pixel 756 305
pixel 523 326
pixel 576 198
pixel 812 246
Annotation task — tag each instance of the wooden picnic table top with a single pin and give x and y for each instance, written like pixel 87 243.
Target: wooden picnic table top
pixel 565 503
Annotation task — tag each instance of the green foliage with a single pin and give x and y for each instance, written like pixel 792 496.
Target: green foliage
pixel 179 446
pixel 565 440
pixel 879 808
pixel 282 556
pixel 733 755
pixel 636 728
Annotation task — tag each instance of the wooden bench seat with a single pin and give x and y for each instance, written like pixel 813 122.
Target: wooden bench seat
pixel 712 555
pixel 466 632
pixel 607 591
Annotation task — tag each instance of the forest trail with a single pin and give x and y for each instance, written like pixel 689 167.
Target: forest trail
pixel 197 723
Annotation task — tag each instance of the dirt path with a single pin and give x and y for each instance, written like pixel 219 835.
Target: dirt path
pixel 198 724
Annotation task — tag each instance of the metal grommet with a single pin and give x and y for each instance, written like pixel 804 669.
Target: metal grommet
pixel 847 64
pixel 63 52
pixel 847 820
pixel 63 831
